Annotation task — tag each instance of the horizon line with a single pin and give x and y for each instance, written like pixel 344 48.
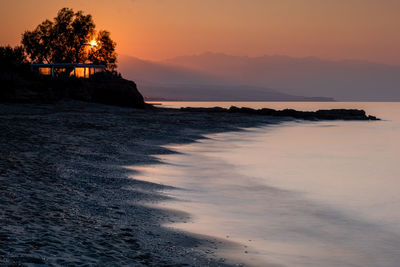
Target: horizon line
pixel 263 55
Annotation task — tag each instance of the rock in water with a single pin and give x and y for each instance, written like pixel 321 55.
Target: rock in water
pixel 329 114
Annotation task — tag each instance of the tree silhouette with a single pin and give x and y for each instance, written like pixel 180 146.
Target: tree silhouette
pixel 104 51
pixel 67 39
pixel 11 59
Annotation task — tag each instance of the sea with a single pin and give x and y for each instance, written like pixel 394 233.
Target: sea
pixel 299 193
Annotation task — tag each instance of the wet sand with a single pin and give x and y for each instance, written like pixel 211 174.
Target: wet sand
pixel 67 199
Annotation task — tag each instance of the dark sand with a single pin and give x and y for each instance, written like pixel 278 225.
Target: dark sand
pixel 66 198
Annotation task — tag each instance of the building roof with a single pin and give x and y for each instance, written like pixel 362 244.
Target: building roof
pixel 63 65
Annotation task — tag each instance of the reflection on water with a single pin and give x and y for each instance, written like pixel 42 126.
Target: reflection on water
pixel 297 194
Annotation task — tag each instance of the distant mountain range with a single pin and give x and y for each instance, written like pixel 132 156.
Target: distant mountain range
pixel 217 77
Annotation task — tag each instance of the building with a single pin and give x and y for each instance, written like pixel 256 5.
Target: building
pixel 67 69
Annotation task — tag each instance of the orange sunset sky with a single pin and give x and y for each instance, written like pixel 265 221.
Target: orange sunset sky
pixel 160 29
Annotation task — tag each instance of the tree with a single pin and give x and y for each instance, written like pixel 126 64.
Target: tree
pixel 104 51
pixel 11 59
pixel 67 39
pixel 38 44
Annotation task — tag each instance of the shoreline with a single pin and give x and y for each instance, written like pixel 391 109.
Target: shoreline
pixel 67 198
pixel 299 157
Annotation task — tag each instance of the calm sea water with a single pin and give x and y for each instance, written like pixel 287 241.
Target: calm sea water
pixel 294 194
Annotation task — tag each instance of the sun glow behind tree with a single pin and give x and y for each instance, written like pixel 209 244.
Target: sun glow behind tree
pixel 93 43
pixel 66 40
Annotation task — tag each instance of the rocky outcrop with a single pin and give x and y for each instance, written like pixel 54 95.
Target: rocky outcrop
pixel 331 114
pixel 119 92
pixel 110 90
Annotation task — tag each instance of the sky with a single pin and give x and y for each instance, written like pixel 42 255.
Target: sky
pixel 161 29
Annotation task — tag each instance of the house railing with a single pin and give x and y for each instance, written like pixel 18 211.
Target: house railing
pixel 77 70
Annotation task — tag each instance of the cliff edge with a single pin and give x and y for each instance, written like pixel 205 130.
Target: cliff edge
pixel 103 88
